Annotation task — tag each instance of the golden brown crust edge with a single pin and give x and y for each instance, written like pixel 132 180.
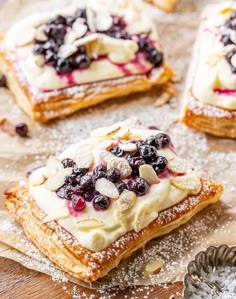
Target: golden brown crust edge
pixel 47 106
pixel 62 248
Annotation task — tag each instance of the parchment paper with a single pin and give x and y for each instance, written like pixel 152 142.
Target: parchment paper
pixel 213 226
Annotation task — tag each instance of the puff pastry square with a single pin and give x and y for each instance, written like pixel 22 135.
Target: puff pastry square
pixel 107 196
pixel 167 5
pixel 210 98
pixel 60 62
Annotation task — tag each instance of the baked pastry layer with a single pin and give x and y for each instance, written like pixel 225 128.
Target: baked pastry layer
pixel 210 98
pixel 81 57
pixel 83 220
pixel 167 5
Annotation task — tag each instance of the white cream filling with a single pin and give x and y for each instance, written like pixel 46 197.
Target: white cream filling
pixel 97 237
pixel 212 70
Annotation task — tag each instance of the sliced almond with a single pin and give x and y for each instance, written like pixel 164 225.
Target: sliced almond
pixel 40 34
pixel 140 220
pixel 190 182
pixel 126 200
pixel 105 144
pixel 107 188
pixel 148 173
pixel 87 224
pixel 152 267
pixel 122 165
pixel 106 156
pixel 164 98
pixel 58 179
pixel 179 165
pixel 91 19
pixel 86 40
pixel 123 133
pixel 103 21
pixel 53 166
pixel 84 157
pixel 36 178
pixel 105 131
pixel 79 29
pixel 128 147
pixel 39 60
pixel 57 214
pixel 27 37
pixel 67 50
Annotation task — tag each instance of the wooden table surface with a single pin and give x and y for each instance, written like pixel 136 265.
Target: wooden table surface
pixel 17 282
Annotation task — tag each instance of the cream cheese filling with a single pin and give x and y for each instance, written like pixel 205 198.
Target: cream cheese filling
pixel 212 73
pixel 104 227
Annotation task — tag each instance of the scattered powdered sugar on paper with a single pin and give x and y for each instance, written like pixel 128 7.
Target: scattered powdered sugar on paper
pixel 213 226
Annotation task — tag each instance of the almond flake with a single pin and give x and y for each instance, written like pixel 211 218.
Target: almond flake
pixel 152 267
pixel 126 200
pixel 128 147
pixel 8 127
pixel 87 224
pixel 58 179
pixel 57 214
pixel 36 178
pixel 105 131
pixel 179 165
pixel 103 22
pixel 67 50
pixel 148 173
pixel 107 188
pixel 53 166
pixel 84 157
pixel 86 40
pixel 40 34
pixel 140 220
pixel 122 165
pixel 164 98
pixel 79 29
pixel 91 19
pixel 190 182
pixel 106 156
pixel 27 37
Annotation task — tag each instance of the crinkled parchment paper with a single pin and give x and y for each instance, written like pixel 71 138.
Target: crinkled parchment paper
pixel 213 226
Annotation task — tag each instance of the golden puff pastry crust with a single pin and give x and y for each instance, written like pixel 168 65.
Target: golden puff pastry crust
pixel 88 63
pixel 86 238
pixel 209 102
pixel 167 5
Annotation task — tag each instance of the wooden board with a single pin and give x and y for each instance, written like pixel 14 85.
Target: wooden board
pixel 17 282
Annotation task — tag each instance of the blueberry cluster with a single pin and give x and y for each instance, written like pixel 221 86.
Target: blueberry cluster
pixel 55 31
pixel 146 153
pixel 153 55
pixel 79 187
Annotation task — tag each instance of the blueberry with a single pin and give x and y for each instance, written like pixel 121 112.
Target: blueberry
pixel 119 22
pixel 71 180
pixel 57 20
pixel 148 152
pixel 82 61
pixel 229 57
pixel 78 203
pixel 88 196
pixel 160 164
pixel 3 81
pixel 68 163
pixel 50 45
pixel 79 171
pixel 226 40
pixel 22 129
pixel 121 186
pixel 99 172
pixel 117 151
pixel 81 13
pixel 138 185
pixel 87 183
pixel 64 192
pixel 113 174
pixel 50 58
pixel 39 48
pixel 152 140
pixel 56 31
pixel 155 57
pixel 163 139
pixel 143 44
pixel 135 163
pixel 101 202
pixel 65 66
pixel 139 143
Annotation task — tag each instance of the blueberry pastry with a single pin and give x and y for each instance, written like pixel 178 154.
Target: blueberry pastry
pixel 166 5
pixel 60 62
pixel 104 197
pixel 210 98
